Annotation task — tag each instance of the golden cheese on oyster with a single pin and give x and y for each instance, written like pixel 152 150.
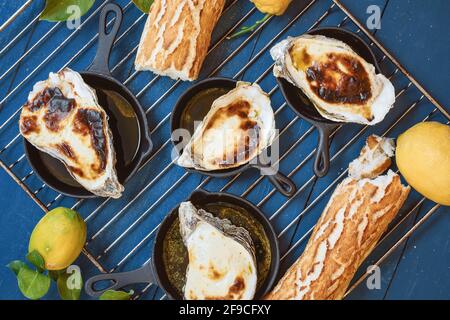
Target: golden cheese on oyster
pixel 222 263
pixel 238 127
pixel 342 86
pixel 62 117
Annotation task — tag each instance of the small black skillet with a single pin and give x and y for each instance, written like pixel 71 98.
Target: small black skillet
pixel 306 110
pixel 154 271
pixel 282 183
pixel 127 119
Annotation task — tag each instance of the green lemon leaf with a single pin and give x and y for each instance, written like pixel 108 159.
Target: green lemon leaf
pixel 15 266
pixel 116 295
pixel 143 5
pixel 33 284
pixel 36 260
pixel 69 285
pixel 61 10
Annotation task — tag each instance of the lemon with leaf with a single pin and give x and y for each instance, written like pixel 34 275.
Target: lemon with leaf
pixel 59 238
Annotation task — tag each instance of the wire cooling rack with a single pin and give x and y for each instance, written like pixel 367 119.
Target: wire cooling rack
pixel 121 232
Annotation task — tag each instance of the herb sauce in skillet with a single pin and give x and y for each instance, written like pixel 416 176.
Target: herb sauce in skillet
pixel 175 257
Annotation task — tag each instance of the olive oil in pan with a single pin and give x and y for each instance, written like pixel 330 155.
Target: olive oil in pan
pixel 198 107
pixel 57 169
pixel 175 256
pixel 124 126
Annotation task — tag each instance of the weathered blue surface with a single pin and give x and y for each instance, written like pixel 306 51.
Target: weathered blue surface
pixel 417 32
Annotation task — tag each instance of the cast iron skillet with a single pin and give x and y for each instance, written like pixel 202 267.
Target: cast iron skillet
pixel 154 272
pixel 283 184
pixel 99 76
pixel 305 109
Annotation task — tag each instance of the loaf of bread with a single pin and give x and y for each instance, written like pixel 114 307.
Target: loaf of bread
pixel 355 218
pixel 176 37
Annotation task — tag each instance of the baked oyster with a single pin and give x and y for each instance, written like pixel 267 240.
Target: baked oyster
pixel 342 86
pixel 62 117
pixel 238 127
pixel 222 263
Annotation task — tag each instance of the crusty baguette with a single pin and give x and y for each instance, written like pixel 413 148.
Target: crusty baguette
pixel 352 223
pixel 374 159
pixel 176 37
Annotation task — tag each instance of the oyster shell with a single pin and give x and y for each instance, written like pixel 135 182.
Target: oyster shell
pixel 342 86
pixel 222 263
pixel 239 126
pixel 62 117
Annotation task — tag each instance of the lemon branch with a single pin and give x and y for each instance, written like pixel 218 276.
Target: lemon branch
pixel 245 30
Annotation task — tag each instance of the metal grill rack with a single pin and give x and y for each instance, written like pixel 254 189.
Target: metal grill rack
pixel 120 232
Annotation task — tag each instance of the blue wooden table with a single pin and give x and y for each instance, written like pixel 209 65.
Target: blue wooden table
pixel 120 232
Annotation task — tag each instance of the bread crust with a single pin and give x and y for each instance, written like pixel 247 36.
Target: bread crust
pixel 176 37
pixel 355 218
pixel 374 159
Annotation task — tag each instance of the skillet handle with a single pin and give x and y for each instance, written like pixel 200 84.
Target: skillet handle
pixel 106 40
pixel 147 146
pixel 282 183
pixel 120 279
pixel 322 161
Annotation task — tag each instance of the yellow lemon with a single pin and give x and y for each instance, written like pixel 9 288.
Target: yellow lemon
pixel 59 237
pixel 423 158
pixel 276 7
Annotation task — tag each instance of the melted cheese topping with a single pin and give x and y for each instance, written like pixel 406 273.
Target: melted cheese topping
pixel 341 84
pixel 239 126
pixel 219 267
pixel 70 125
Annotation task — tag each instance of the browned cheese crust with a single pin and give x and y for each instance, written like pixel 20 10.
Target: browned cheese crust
pixel 62 118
